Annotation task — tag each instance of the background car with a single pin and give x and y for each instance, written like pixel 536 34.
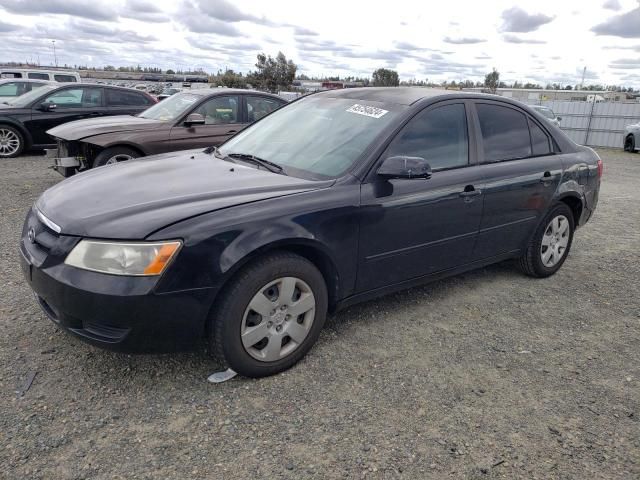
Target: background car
pixel 632 137
pixel 57 75
pixel 193 119
pixel 548 113
pixel 25 120
pixel 167 92
pixel 334 199
pixel 10 89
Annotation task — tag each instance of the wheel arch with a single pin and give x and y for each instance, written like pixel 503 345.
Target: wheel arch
pixel 28 140
pixel 575 203
pixel 116 144
pixel 310 249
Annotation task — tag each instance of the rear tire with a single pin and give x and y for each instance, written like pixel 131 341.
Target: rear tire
pixel 114 155
pixel 630 144
pixel 11 142
pixel 550 244
pixel 258 344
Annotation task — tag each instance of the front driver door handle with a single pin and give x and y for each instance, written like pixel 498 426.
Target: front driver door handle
pixel 232 131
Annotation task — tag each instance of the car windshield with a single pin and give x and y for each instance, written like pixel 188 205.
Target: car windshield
pixel 547 112
pixel 27 98
pixel 171 108
pixel 317 136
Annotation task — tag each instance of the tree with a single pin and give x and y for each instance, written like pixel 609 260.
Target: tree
pixel 492 80
pixel 273 74
pixel 170 72
pixel 229 79
pixel 383 77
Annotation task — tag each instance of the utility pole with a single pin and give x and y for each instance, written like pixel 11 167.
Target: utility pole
pixel 54 52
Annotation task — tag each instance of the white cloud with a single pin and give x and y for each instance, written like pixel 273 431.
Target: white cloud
pixel 464 40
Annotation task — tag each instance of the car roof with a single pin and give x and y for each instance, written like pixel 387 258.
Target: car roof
pixel 205 92
pixel 27 80
pixel 401 95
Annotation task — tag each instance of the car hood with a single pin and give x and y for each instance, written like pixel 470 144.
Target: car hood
pixel 133 199
pixel 7 109
pixel 97 126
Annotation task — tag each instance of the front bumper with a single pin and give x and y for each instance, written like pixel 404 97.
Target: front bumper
pixel 119 313
pixel 131 322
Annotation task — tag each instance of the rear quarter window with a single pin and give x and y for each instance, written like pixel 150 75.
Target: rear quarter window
pixel 505 133
pixel 64 78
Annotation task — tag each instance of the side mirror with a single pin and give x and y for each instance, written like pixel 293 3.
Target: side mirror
pixel 559 119
pixel 194 119
pixel 47 107
pixel 405 167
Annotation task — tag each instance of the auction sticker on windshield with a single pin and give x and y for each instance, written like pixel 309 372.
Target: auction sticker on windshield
pixel 367 111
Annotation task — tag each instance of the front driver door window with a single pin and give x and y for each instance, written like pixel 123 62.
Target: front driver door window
pixel 222 119
pixel 411 228
pixel 71 104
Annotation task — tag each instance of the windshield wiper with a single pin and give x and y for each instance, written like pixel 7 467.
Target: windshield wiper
pixel 272 167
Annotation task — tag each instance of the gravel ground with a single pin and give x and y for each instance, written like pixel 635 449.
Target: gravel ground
pixel 486 375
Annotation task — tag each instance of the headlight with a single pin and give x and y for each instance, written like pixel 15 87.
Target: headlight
pixel 141 258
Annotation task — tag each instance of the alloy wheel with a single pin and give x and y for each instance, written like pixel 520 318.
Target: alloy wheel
pixel 278 319
pixel 555 240
pixel 9 142
pixel 122 157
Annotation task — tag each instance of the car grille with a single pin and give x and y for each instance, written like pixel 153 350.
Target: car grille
pixel 41 241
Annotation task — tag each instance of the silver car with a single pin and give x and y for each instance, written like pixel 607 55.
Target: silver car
pixel 11 88
pixel 632 138
pixel 548 113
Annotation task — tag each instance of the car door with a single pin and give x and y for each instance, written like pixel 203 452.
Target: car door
pixel 223 118
pixel 416 227
pixel 71 103
pixel 521 172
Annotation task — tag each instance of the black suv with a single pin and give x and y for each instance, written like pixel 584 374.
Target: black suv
pixel 333 199
pixel 25 120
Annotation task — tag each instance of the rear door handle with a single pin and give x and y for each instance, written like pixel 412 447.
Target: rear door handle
pixel 470 191
pixel 547 177
pixel 232 131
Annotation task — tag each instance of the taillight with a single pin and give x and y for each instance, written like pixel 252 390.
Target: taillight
pixel 600 168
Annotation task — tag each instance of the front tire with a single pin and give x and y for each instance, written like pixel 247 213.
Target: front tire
pixel 114 155
pixel 630 144
pixel 11 142
pixel 269 316
pixel 550 244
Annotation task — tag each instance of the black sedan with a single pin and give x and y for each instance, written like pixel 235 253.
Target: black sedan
pixel 336 198
pixel 25 120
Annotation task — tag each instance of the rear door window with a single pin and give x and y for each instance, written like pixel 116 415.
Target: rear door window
pixel 122 98
pixel 438 135
pixel 258 107
pixel 505 133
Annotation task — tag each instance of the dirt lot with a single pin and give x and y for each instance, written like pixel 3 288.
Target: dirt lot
pixel 486 375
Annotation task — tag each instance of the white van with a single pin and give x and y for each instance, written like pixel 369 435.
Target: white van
pixel 40 74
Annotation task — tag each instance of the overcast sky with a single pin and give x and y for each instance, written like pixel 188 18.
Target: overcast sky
pixel 529 40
